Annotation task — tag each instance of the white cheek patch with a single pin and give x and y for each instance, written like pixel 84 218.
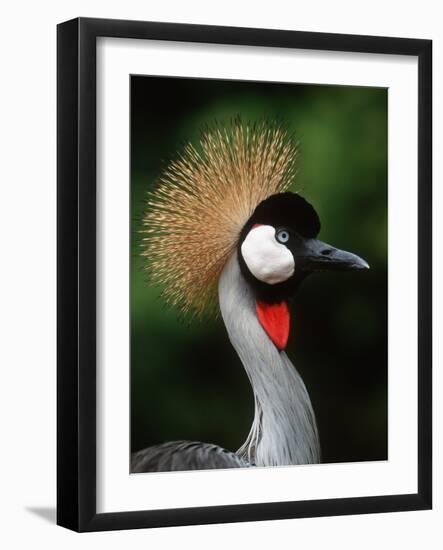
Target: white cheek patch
pixel 268 260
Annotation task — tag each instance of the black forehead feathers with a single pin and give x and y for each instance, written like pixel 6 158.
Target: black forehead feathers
pixel 287 210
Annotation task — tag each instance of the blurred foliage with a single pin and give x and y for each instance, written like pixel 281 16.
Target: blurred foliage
pixel 186 380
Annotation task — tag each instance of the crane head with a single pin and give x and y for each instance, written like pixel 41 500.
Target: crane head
pixel 277 249
pixel 227 195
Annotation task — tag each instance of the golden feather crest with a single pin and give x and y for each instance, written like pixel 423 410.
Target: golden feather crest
pixel 202 201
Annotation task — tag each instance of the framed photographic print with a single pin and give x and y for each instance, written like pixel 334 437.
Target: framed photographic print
pixel 244 274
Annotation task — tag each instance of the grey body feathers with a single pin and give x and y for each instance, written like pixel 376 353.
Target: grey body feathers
pixel 184 455
pixel 284 429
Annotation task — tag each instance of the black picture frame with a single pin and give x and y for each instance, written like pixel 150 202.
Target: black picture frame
pixel 76 265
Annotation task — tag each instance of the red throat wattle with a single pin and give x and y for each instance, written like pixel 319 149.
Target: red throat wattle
pixel 275 321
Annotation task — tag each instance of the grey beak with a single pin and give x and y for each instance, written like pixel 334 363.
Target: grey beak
pixel 319 256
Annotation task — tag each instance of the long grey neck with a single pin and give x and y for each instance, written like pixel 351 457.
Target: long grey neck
pixel 284 430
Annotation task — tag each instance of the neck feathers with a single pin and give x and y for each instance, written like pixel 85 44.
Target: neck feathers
pixel 284 430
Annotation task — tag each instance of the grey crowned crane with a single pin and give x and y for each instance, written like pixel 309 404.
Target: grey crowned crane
pixel 222 223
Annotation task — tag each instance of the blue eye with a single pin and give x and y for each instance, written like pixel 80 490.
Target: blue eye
pixel 282 236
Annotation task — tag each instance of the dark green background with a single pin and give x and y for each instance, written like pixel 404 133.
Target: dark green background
pixel 187 382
